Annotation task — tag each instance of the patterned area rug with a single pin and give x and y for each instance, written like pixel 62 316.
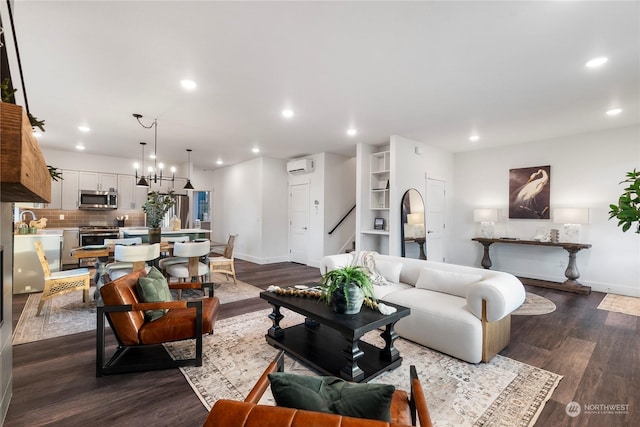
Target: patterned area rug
pixel 503 392
pixel 621 304
pixel 66 314
pixel 535 305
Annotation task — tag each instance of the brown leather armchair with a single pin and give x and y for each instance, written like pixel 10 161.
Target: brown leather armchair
pixel 231 413
pixel 139 341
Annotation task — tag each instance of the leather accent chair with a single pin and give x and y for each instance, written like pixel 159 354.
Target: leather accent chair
pixel 405 409
pixel 125 314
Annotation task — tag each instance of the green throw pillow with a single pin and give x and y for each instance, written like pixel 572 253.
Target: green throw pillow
pixel 154 288
pixel 331 394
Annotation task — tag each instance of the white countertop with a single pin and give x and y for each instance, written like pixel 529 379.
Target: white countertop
pixel 142 231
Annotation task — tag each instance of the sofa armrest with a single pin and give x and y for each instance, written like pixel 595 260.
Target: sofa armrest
pixel 503 292
pixel 331 262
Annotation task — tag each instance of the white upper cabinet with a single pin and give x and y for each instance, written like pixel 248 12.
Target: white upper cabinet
pixel 98 181
pixel 70 190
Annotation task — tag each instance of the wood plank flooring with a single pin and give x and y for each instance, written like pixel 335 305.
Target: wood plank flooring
pixel 597 352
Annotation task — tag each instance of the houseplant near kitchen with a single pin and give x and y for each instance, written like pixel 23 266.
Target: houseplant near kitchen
pixel 156 206
pixel 627 211
pixel 346 288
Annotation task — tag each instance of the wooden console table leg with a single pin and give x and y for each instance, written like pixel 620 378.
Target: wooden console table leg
pixel 275 331
pixel 486 260
pixel 572 273
pixel 351 371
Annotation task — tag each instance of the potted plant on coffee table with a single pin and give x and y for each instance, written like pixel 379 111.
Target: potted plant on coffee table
pixel 346 288
pixel 156 206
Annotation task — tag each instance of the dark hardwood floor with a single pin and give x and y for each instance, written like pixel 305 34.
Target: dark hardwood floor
pixel 597 352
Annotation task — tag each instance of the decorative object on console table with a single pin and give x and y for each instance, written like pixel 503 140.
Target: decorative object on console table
pixel 156 206
pixel 572 218
pixel 346 288
pixel 571 273
pixel 529 190
pixel 487 219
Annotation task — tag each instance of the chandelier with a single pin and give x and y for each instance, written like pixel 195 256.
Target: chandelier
pixel 156 177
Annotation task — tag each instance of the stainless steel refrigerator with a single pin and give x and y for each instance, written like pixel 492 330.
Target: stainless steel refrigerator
pixel 180 209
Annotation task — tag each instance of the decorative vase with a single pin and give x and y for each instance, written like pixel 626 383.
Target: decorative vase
pixel 154 235
pixel 351 306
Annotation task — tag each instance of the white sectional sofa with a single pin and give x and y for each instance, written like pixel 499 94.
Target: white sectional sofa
pixel 461 311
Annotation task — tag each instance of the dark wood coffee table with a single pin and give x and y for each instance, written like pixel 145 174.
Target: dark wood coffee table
pixel 330 342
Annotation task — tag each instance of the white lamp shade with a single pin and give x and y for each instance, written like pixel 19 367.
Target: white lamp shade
pixel 571 216
pixel 415 218
pixel 485 215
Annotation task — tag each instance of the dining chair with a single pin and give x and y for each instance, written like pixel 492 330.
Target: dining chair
pixel 171 239
pixel 122 241
pixel 224 264
pixel 61 282
pixel 131 258
pixel 185 262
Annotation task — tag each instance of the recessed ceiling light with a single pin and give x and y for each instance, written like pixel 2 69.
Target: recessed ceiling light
pixel 614 111
pixel 219 162
pixel 37 134
pixel 188 84
pixel 287 113
pixel 474 138
pixel 84 128
pixel 351 132
pixel 596 62
pixel 255 150
pixel 79 147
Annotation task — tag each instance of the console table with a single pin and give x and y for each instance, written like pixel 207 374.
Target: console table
pixel 571 273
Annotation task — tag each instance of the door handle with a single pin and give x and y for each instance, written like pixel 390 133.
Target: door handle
pixel 429 231
pixel 304 228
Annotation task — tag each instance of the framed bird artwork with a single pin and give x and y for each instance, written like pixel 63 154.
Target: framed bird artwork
pixel 529 192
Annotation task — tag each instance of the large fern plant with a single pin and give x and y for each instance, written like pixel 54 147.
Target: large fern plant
pixel 345 276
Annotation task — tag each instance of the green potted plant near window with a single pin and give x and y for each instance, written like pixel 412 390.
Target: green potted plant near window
pixel 346 288
pixel 156 206
pixel 627 211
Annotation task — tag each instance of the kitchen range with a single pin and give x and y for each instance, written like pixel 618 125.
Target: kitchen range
pixel 95 235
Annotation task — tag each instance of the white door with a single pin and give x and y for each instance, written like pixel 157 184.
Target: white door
pixel 435 219
pixel 298 222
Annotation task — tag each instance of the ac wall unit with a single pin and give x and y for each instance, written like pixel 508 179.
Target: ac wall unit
pixel 300 166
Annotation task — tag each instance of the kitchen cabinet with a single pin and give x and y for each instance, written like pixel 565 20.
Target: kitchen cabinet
pixel 130 196
pixel 56 195
pixel 27 271
pixel 98 181
pixel 69 190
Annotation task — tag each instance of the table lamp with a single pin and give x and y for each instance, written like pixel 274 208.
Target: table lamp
pixel 487 219
pixel 572 218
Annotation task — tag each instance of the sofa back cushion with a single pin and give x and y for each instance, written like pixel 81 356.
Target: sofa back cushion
pixel 390 270
pixel 450 282
pixel 122 291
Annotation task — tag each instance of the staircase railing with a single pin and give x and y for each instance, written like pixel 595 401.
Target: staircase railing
pixel 342 220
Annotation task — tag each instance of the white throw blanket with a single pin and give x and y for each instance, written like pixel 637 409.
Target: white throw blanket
pixel 367 260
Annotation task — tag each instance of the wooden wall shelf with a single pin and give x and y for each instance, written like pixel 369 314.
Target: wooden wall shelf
pixel 24 176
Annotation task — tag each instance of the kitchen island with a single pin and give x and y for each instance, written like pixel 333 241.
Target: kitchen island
pixel 27 272
pixel 193 233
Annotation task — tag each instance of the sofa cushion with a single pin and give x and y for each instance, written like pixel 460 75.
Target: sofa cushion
pixel 449 282
pixel 331 394
pixel 154 288
pixel 390 270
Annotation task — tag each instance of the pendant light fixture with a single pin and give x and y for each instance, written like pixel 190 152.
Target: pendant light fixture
pixel 143 181
pixel 188 185
pixel 157 177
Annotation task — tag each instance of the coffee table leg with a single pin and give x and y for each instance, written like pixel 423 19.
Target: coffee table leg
pixel 389 353
pixel 276 331
pixel 352 353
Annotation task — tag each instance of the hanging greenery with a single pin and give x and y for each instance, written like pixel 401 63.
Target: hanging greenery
pixel 627 211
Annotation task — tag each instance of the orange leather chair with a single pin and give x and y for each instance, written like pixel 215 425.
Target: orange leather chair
pixel 231 413
pixel 125 314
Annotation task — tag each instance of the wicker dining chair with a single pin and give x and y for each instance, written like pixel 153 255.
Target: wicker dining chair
pixel 224 264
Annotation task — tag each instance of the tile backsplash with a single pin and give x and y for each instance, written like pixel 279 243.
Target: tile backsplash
pixel 78 217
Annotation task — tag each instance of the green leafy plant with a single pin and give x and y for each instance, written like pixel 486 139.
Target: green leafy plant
pixel 345 276
pixel 7 92
pixel 627 211
pixel 54 173
pixel 156 206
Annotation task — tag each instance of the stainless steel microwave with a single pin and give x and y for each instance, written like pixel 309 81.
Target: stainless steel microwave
pixel 97 200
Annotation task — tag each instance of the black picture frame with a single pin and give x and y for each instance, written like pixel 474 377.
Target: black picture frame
pixel 378 224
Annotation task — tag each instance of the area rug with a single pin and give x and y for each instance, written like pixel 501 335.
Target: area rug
pixel 621 304
pixel 503 392
pixel 66 314
pixel 535 305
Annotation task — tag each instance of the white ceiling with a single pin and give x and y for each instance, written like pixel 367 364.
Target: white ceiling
pixel 431 71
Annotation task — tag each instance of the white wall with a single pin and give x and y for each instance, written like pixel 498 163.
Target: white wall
pixel 339 196
pixel 585 172
pixel 410 170
pixel 250 199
